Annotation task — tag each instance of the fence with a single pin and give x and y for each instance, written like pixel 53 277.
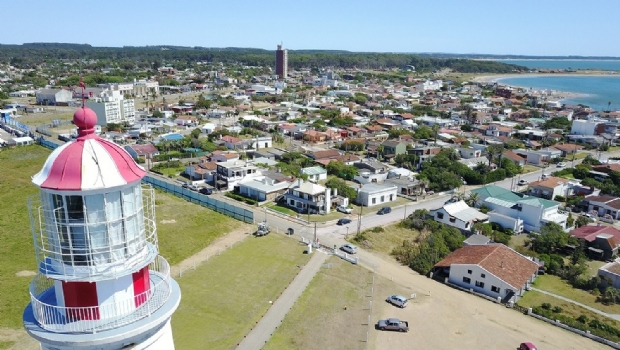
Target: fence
pixel 194 197
pixel 586 334
pixel 201 199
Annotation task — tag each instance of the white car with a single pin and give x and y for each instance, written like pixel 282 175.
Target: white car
pixel 590 216
pixel 349 248
pixel 343 209
pixel 561 164
pixel 397 300
pixel 522 183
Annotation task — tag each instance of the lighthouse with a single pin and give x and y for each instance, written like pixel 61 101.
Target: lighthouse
pixel 101 283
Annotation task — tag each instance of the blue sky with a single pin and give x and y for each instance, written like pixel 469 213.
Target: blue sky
pixel 525 27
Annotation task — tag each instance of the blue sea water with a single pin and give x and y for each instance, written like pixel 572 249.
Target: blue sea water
pixel 597 91
pixel 611 65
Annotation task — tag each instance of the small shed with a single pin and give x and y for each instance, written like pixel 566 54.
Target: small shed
pixel 21 141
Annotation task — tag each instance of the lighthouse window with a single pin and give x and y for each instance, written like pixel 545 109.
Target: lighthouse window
pixel 79 243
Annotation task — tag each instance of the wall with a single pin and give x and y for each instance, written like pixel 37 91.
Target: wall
pixel 446 220
pixel 457 272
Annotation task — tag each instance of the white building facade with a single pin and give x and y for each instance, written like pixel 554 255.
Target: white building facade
pixel 375 194
pixel 112 107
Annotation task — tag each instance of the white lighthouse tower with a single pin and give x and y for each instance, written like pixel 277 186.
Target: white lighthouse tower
pixel 101 283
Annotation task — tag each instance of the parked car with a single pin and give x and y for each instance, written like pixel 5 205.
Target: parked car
pixel 193 187
pixel 343 209
pixel 384 210
pixel 522 182
pixel 590 216
pixel 344 221
pixel 397 300
pixel 206 191
pixel 561 164
pixel 349 248
pixel 527 346
pixel 393 324
pixel 185 185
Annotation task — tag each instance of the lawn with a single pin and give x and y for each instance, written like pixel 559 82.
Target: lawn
pixel 311 322
pixel 556 285
pixel 534 298
pixel 530 168
pixel 16 248
pixel 172 171
pixel 579 155
pixel 282 209
pixel 184 228
pixel 36 119
pixel 223 298
pixel 384 241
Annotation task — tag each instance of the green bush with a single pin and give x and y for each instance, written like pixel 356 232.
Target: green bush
pixel 241 198
pixel 378 229
pixel 559 198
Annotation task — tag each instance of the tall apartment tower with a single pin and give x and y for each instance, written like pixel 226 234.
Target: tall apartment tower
pixel 101 283
pixel 281 62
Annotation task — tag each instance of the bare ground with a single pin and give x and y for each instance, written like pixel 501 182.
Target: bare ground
pixel 445 318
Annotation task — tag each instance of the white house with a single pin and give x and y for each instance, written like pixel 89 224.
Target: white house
pixel 520 212
pixel 264 189
pixel 229 174
pixel 308 197
pixel 469 152
pixel 584 127
pixel 611 271
pixel 53 96
pixel 459 215
pixel 604 205
pixel 492 269
pixel 375 194
pixel 315 173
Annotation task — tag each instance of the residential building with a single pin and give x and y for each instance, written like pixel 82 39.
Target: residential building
pixel 112 107
pixel 602 241
pixel 517 159
pixel 550 187
pixel 424 154
pixel 492 269
pixel 265 189
pixel 372 194
pixel 230 173
pixel 568 149
pixel 54 97
pixel 459 215
pixel 610 274
pixel 405 185
pixel 519 212
pixel 469 152
pixel 203 170
pixel 307 197
pixel 282 62
pixel 145 151
pixel 145 88
pixel 604 205
pixel 315 173
pixel 393 148
pixel 584 127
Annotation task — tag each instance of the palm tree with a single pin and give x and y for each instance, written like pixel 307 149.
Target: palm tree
pixel 608 106
pixel 435 128
pixel 473 200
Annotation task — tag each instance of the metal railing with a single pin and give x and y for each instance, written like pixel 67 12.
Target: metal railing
pixel 60 319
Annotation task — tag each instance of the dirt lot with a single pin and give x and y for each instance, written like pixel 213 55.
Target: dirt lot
pixel 451 319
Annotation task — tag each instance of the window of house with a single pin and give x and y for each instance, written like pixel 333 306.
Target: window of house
pixel 374 200
pixel 467 280
pixel 482 275
pixel 469 272
pixel 382 199
pixel 479 284
pixel 439 215
pixel 452 219
pixel 495 289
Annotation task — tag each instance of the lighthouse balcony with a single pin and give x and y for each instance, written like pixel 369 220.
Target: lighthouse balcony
pixel 52 315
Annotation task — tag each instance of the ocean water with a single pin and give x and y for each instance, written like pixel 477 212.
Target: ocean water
pixel 596 90
pixel 611 65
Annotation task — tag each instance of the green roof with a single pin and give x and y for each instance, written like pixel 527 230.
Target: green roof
pixel 501 196
pixel 314 170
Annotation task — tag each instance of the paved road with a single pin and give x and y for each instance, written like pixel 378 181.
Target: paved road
pixel 612 316
pixel 257 338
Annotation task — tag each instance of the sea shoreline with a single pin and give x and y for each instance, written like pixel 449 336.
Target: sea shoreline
pixel 555 94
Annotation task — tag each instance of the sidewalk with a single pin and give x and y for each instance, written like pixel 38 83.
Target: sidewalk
pixel 612 316
pixel 257 338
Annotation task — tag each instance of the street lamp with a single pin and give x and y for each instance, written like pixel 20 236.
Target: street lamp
pixel 347 232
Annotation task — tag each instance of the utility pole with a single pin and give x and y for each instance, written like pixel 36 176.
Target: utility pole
pixel 359 220
pixel 315 232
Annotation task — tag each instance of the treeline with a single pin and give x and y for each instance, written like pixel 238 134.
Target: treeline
pixel 32 54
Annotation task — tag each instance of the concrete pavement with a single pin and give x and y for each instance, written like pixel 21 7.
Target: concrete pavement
pixel 257 338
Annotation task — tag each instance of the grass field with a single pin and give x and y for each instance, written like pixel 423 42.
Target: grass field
pixel 318 319
pixel 224 297
pixel 556 285
pixel 17 165
pixel 384 242
pixel 5 344
pixel 184 228
pixel 534 298
pixel 282 209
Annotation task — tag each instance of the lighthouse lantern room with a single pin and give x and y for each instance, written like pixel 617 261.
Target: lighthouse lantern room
pixel 101 283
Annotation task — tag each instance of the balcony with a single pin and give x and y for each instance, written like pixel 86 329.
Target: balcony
pixel 59 319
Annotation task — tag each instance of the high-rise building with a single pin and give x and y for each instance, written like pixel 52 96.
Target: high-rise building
pixel 281 62
pixel 101 283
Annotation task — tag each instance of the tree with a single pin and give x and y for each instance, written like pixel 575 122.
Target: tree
pixel 473 200
pixel 551 238
pixel 342 187
pixel 494 150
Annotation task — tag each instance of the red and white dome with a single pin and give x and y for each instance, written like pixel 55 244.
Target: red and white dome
pixel 89 162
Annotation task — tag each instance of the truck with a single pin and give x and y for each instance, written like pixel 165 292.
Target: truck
pixel 393 324
pixel 263 229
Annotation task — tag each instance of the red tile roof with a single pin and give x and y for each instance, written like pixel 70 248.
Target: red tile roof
pixel 589 233
pixel 499 260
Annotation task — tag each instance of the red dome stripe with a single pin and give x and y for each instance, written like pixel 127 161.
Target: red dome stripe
pixel 69 159
pixel 125 164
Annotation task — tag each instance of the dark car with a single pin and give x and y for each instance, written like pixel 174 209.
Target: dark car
pixel 344 221
pixel 206 191
pixel 384 210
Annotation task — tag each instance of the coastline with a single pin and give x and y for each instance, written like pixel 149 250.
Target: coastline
pixel 555 94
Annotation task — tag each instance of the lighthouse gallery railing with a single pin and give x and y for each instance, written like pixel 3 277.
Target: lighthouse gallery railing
pixel 94 319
